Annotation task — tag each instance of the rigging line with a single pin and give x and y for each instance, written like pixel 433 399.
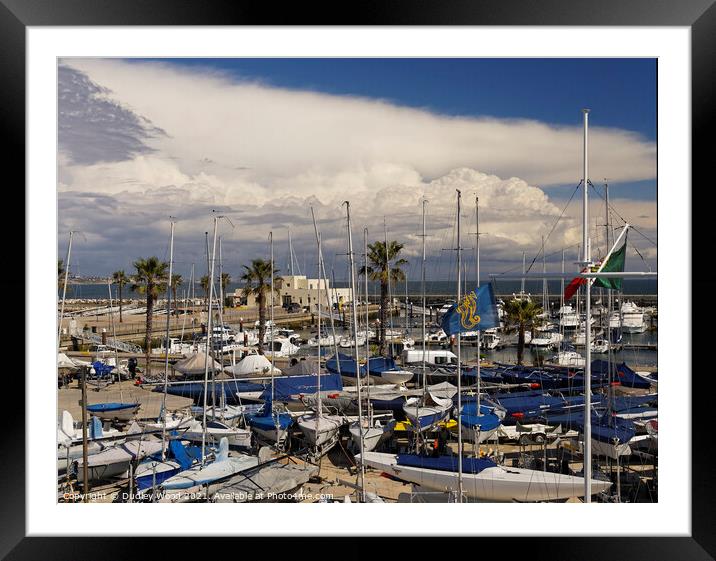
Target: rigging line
pixel 554 226
pixel 631 226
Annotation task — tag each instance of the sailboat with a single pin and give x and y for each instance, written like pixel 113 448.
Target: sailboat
pixel 115 461
pixel 203 474
pixel 482 478
pixel 319 430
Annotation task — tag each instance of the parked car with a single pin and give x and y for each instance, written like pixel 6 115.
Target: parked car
pixel 294 307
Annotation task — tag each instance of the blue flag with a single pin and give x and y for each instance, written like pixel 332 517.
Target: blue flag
pixel 477 310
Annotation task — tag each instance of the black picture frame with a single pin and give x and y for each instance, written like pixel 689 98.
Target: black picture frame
pixel 699 15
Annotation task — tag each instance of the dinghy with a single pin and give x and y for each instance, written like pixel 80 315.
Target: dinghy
pixel 482 478
pixel 115 460
pixel 223 466
pixel 217 431
pixel 154 471
pixel 479 427
pixel 269 425
pixel 371 434
pixel 114 411
pixel 436 406
pixel 320 431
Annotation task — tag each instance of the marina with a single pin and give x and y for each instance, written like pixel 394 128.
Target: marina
pixel 410 357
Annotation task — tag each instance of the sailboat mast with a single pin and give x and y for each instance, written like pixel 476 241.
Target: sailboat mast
pixel 208 340
pixel 329 300
pixel 271 320
pixel 477 277
pixel 422 289
pixel 64 290
pixel 357 361
pixel 524 271
pixel 459 359
pixel 367 321
pixel 587 329
pixel 221 293
pixel 166 339
pixel 390 299
pixel 544 280
pixel 318 336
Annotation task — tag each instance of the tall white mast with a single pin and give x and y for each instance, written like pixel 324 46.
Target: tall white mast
pixel 208 341
pixel 357 359
pixel 318 338
pixel 367 320
pixel 524 271
pixel 64 290
pixel 545 297
pixel 477 275
pixel 390 299
pixel 587 329
pixel 271 320
pixel 221 293
pixel 424 334
pixel 329 300
pixel 166 346
pixel 459 358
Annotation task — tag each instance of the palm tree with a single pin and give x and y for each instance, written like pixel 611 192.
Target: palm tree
pixel 225 281
pixel 176 283
pixel 521 314
pixel 150 279
pixel 379 269
pixel 204 283
pixel 257 279
pixel 120 279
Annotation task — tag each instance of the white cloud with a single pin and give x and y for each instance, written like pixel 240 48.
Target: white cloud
pixel 262 155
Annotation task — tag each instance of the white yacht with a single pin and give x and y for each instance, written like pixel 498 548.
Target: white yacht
pixel 490 339
pixel 632 318
pixel 569 358
pixel 547 339
pixel 568 317
pixel 281 347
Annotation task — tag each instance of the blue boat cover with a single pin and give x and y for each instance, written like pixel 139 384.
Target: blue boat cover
pixel 180 454
pixel 486 421
pixel 445 463
pixel 347 364
pixel 195 390
pixel 102 369
pixel 286 386
pixel 378 364
pixel 107 407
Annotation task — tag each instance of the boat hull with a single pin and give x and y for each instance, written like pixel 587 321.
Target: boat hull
pixel 495 484
pixel 328 427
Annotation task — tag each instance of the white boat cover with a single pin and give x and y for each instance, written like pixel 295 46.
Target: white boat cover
pixel 252 365
pixel 63 361
pixel 195 365
pixel 443 390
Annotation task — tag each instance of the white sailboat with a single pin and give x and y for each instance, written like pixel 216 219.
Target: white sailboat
pixel 319 430
pixel 223 466
pixel 482 479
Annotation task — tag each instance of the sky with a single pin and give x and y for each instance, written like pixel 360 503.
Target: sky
pixel 261 141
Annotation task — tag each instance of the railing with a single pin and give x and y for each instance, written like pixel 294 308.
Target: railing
pixel 119 345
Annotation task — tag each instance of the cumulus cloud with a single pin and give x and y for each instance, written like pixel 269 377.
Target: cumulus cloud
pixel 143 141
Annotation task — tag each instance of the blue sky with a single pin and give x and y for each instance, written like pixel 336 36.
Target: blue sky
pixel 263 140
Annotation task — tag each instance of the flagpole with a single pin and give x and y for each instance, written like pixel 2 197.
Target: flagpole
pixel 477 274
pixel 587 328
pixel 459 365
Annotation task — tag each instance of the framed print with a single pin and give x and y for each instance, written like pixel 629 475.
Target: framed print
pixel 408 260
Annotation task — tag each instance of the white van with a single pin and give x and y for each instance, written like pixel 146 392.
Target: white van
pixel 437 357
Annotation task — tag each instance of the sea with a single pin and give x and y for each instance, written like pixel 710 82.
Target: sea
pixel 434 288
